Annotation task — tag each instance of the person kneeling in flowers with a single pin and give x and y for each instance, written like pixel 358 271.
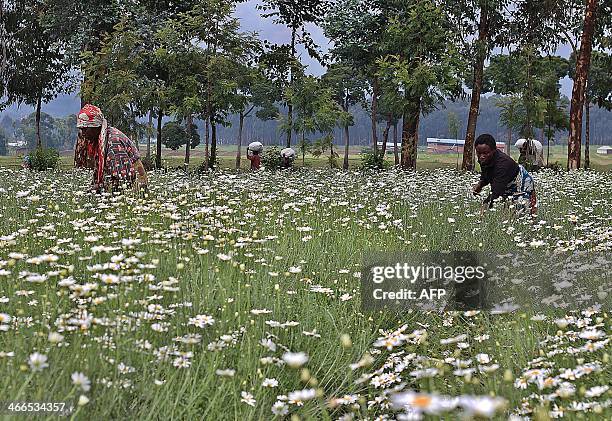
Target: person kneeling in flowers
pixel 506 177
pixel 116 160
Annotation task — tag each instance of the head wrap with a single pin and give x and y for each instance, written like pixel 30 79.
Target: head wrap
pixel 91 116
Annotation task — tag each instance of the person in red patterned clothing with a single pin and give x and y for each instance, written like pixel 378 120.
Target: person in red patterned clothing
pixel 114 157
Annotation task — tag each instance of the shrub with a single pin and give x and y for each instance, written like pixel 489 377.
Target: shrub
pixel 149 162
pixel 555 166
pixel 270 158
pixel 42 159
pixel 212 165
pixel 372 161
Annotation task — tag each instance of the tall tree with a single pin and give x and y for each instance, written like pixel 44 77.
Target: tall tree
pixel 34 51
pixel 317 112
pixel 425 65
pixel 82 26
pixel 481 24
pixel 580 80
pixel 598 90
pixel 213 24
pixel 528 80
pixel 255 94
pixel 295 14
pixel 356 28
pixel 120 86
pixel 348 89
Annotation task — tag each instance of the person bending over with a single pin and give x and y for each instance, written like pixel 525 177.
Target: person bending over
pixel 506 177
pixel 115 157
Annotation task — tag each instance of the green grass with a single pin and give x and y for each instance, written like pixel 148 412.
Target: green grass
pixel 425 160
pixel 225 245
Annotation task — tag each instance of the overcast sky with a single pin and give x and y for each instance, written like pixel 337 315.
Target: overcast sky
pixel 251 20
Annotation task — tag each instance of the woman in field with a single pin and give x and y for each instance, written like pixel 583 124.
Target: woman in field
pixel 115 158
pixel 254 151
pixel 506 177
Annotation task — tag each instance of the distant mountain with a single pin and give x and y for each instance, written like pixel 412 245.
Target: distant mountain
pixel 434 124
pixel 59 107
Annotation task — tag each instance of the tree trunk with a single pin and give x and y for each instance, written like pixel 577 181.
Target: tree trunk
pixel 410 137
pixel 149 133
pixel 529 100
pixel 160 115
pixel 290 123
pixel 345 164
pixel 395 151
pixel 374 112
pixel 213 144
pixel 134 132
pixel 291 80
pixel 587 138
pixel 386 136
pixel 549 135
pixel 188 143
pixel 509 141
pixel 3 42
pixel 38 107
pixel 303 149
pixel 239 151
pixel 582 71
pixel 206 140
pixel 470 134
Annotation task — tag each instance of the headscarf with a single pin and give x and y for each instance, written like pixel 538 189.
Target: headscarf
pixel 91 116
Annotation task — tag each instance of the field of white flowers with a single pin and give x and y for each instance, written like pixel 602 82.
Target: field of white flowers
pixel 236 296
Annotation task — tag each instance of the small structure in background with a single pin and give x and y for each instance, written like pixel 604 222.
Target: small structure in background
pixel 604 150
pixel 390 148
pixel 440 146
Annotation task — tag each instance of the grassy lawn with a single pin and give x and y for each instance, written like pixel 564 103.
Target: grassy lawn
pixel 238 297
pixel 227 157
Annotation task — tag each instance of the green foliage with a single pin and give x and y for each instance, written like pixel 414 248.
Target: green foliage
pixel 373 161
pixel 270 158
pixel 326 143
pixel 356 26
pixel 304 146
pixel 512 113
pixel 55 132
pixel 176 135
pixel 296 14
pixel 422 64
pixel 42 159
pixel 37 70
pixel 315 108
pixel 532 83
pixel 117 83
pixel 599 85
pixel 453 125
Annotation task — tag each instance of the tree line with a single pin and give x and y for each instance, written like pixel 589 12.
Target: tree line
pixel 399 60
